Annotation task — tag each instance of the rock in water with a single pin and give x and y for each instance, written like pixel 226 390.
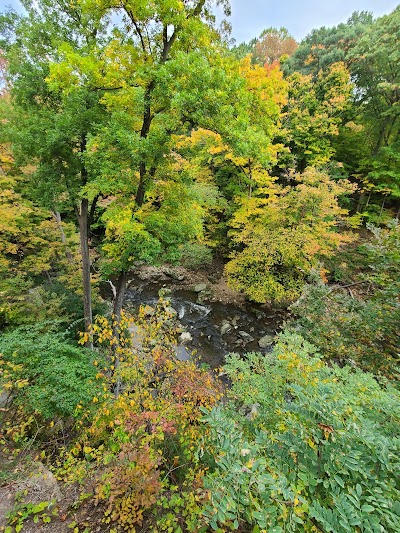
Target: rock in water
pixel 185 337
pixel 246 337
pixel 200 287
pixel 225 328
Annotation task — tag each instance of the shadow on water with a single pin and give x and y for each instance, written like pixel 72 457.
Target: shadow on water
pixel 215 328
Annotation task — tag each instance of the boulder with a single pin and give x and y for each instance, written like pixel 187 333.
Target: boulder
pixel 173 274
pixel 266 341
pixel 200 287
pixel 246 337
pixel 225 327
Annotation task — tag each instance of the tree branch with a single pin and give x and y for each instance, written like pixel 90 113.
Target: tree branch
pixel 137 28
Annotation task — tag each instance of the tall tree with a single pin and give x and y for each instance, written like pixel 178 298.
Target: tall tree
pixel 325 46
pixel 172 76
pixel 314 112
pixel 50 127
pixel 272 45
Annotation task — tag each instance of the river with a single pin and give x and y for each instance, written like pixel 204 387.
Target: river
pixel 215 328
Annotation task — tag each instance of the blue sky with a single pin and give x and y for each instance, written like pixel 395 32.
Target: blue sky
pixel 250 17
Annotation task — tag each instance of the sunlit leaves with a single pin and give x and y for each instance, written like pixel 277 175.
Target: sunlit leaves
pixel 280 237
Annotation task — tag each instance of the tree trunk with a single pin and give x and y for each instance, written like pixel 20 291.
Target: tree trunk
pixel 361 199
pixel 68 254
pixel 119 296
pixel 382 206
pixel 87 289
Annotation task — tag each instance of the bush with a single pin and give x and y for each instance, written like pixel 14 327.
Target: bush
pixel 45 374
pixel 196 255
pixel 303 447
pixel 361 329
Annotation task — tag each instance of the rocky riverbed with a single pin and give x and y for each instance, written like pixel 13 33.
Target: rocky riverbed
pixel 215 320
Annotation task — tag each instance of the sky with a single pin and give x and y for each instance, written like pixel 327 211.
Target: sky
pixel 250 17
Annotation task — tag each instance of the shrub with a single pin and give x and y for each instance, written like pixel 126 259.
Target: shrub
pixel 303 447
pixel 196 255
pixel 54 375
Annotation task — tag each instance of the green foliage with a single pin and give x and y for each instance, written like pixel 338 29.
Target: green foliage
pixel 31 250
pixel 302 446
pixel 139 447
pixel 368 138
pixel 195 256
pixel 325 46
pixel 24 511
pixel 279 239
pixel 362 329
pixel 45 374
pixel 314 112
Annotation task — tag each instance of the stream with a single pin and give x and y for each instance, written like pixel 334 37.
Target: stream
pixel 215 328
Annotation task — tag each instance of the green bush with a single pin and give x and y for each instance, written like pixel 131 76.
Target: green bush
pixel 54 375
pixel 195 255
pixel 303 447
pixel 361 329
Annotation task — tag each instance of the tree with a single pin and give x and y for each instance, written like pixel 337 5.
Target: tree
pixel 172 76
pixel 31 248
pixel 375 71
pixel 314 113
pixel 272 45
pixel 326 46
pixel 50 127
pixel 280 235
pixel 367 141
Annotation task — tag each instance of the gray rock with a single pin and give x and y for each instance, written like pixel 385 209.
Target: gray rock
pixel 203 296
pixel 200 287
pixel 185 337
pixel 181 353
pixel 235 320
pixel 266 341
pixel 173 274
pixel 225 328
pixel 148 310
pixel 246 337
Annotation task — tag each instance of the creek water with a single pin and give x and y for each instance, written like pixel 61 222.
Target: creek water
pixel 242 327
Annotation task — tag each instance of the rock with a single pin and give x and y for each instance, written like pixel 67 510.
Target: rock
pixel 50 482
pixel 181 353
pixel 266 341
pixel 7 503
pixel 235 320
pixel 4 396
pixel 185 337
pixel 173 275
pixel 225 327
pixel 200 287
pixel 246 337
